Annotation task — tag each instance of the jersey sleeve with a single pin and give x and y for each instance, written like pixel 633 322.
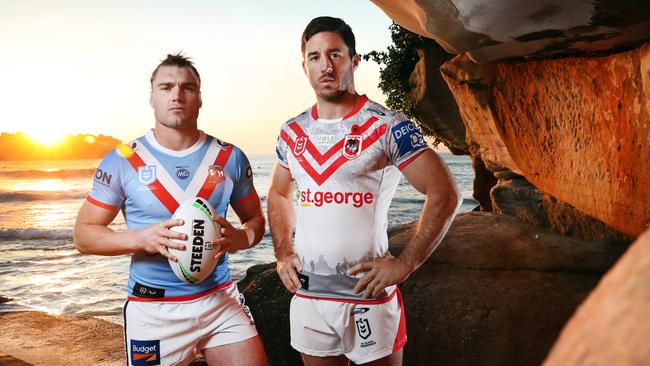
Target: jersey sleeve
pixel 243 182
pixel 281 150
pixel 107 191
pixel 404 142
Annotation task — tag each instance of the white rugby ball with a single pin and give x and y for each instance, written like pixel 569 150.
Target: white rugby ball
pixel 196 262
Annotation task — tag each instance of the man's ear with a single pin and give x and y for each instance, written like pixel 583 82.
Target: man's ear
pixel 355 61
pixel 151 98
pixel 303 67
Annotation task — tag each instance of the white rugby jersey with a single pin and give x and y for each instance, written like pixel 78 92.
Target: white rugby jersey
pixel 346 172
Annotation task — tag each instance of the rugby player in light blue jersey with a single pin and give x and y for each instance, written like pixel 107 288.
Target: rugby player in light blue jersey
pixel 165 320
pixel 344 155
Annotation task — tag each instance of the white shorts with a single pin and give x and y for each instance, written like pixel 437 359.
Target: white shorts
pixel 363 331
pixel 169 333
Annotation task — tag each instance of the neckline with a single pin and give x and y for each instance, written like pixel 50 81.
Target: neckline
pixel 362 101
pixel 180 153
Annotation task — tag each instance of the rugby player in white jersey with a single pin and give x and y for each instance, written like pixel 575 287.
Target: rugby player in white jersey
pixel 344 156
pixel 166 320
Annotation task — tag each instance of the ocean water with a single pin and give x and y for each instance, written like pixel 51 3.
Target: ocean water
pixel 41 270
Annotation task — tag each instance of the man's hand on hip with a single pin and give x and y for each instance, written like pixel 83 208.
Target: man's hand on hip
pixel 381 273
pixel 288 268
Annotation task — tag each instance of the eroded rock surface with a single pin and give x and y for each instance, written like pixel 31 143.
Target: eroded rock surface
pixel 611 326
pixel 492 30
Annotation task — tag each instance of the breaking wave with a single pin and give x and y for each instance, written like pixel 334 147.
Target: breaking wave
pixel 29 196
pixel 31 233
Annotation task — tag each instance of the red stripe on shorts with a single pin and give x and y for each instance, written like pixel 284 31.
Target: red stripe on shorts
pixel 400 338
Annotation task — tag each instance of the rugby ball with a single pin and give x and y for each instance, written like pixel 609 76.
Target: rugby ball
pixel 196 262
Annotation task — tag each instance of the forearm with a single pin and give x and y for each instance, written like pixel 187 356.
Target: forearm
pixel 437 215
pixel 281 218
pixel 101 240
pixel 256 225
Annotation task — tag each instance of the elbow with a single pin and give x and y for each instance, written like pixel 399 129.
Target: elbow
pixel 457 198
pixel 454 201
pixel 262 230
pixel 78 242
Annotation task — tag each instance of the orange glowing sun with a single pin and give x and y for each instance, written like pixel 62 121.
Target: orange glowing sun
pixel 47 138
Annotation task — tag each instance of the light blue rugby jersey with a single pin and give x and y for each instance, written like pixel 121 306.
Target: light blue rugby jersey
pixel 148 182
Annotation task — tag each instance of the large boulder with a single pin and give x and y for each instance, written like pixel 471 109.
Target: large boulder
pixel 496 291
pixel 582 140
pixel 611 326
pixel 517 197
pixel 491 30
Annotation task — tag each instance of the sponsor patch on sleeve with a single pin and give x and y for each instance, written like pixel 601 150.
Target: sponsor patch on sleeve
pixel 145 353
pixel 407 137
pixel 103 177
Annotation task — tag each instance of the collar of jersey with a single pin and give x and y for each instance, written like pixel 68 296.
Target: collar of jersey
pixel 362 101
pixel 151 139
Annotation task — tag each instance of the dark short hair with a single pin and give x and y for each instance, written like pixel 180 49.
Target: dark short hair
pixel 178 60
pixel 329 24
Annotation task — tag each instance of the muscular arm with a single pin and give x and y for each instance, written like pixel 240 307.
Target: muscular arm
pixel 281 218
pixel 251 231
pixel 429 175
pixel 93 236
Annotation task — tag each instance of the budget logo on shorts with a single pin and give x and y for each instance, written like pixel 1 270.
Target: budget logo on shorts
pixel 301 143
pixel 144 353
pixel 363 327
pixel 352 146
pixel 215 174
pixel 147 174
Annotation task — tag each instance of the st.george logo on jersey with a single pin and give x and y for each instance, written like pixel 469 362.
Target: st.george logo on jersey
pixel 301 143
pixel 352 146
pixel 147 174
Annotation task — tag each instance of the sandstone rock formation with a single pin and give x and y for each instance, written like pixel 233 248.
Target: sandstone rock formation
pixel 580 140
pixel 491 30
pixel 434 102
pixel 517 197
pixel 496 292
pixel 611 326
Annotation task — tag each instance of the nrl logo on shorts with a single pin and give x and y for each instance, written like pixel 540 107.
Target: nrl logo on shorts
pixel 147 174
pixel 215 174
pixel 301 143
pixel 363 328
pixel 352 146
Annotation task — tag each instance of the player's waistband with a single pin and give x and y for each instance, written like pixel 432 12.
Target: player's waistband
pixel 336 287
pixel 139 296
pixel 378 301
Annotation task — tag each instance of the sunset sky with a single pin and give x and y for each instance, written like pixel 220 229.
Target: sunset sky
pixel 84 66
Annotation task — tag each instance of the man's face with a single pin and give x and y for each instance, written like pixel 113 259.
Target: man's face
pixel 175 97
pixel 328 65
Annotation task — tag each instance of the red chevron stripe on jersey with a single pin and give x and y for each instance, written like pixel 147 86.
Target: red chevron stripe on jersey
pixel 156 188
pixel 163 195
pixel 322 159
pixel 209 185
pixel 322 177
